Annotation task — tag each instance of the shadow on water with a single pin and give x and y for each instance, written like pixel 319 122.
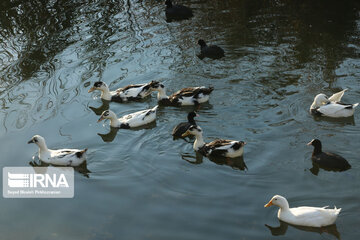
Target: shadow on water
pixel 110 136
pixel 235 163
pixel 281 230
pixel 82 168
pixel 99 110
pixel 316 168
pixel 343 121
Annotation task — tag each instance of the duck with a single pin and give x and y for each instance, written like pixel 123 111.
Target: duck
pixel 181 128
pixel 212 51
pixel 61 157
pixel 177 12
pixel 332 107
pixel 184 97
pixel 327 160
pixel 132 92
pixel 216 148
pixel 304 216
pixel 133 120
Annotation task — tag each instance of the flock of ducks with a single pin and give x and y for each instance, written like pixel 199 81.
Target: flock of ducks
pixel 322 105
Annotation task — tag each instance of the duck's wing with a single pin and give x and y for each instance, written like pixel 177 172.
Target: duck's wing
pixel 132 91
pixel 336 97
pixel 337 109
pixel 67 157
pixel 180 129
pixel 192 91
pixel 185 92
pixel 139 118
pixel 218 147
pixel 313 216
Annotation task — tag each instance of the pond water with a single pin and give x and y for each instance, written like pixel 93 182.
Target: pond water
pixel 144 185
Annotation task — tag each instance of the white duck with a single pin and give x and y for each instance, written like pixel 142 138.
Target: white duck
pixel 64 157
pixel 132 120
pixel 332 107
pixel 184 97
pixel 304 216
pixel 216 148
pixel 128 93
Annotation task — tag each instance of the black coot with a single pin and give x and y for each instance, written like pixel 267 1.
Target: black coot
pixel 326 160
pixel 177 12
pixel 212 51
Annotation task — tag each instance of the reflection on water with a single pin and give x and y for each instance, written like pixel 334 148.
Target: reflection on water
pixel 281 230
pixel 99 110
pixel 110 136
pixel 316 168
pixel 235 163
pixel 82 168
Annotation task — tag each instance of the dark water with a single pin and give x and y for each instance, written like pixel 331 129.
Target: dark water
pixel 279 55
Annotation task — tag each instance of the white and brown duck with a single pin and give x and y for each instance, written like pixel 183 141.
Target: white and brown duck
pixel 132 92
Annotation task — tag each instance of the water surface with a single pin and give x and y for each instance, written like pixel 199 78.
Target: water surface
pixel 279 55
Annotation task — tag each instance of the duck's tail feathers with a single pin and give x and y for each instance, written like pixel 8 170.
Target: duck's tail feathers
pixel 81 153
pixel 355 105
pixel 155 108
pixel 337 210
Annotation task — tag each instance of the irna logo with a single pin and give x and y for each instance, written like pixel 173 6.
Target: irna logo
pixel 16 180
pixel 38 182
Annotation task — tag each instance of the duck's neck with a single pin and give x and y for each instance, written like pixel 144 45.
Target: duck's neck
pixel 42 148
pixel 314 105
pixel 317 149
pixel 283 208
pixel 105 94
pixel 161 94
pixel 191 120
pixel 114 122
pixel 199 142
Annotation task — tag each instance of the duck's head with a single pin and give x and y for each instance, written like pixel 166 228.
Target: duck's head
pixel 193 114
pixel 168 3
pixel 320 100
pixel 202 43
pixel 98 86
pixel 316 143
pixel 279 201
pixel 157 86
pixel 38 140
pixel 107 114
pixel 192 130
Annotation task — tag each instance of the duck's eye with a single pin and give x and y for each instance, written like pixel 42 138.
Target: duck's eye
pixel 35 140
pixel 162 86
pixel 275 199
pixel 106 113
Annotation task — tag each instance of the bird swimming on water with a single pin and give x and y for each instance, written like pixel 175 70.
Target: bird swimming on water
pixel 212 51
pixel 177 12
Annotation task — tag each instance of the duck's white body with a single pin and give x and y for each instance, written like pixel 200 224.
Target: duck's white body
pixel 135 92
pixel 187 101
pixel 332 107
pixel 136 119
pixel 304 216
pixel 128 93
pixel 184 97
pixel 219 147
pixel 64 157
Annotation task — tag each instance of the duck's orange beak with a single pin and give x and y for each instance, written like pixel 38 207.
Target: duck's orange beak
pixel 91 90
pixel 100 119
pixel 269 204
pixel 185 134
